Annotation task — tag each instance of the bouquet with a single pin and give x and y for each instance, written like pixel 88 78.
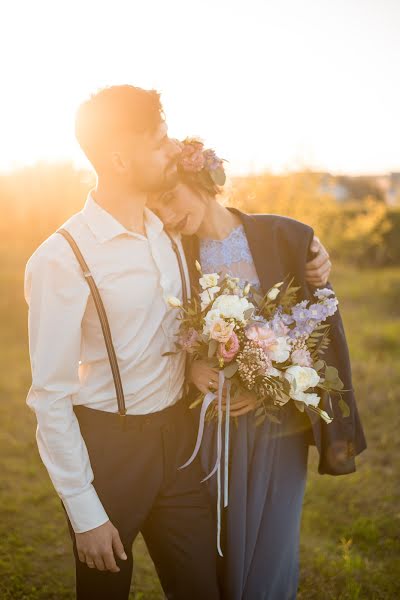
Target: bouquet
pixel 271 345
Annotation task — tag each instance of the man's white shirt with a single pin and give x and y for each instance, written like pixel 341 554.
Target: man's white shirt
pixel 69 361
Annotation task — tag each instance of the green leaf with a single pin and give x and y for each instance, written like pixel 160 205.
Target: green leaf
pixel 248 313
pixel 212 348
pixel 344 407
pixel 331 374
pixel 218 176
pixel 273 418
pixel 196 402
pixel 230 370
pixel 319 365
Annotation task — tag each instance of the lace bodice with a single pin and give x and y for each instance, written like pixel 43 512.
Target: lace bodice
pixel 229 256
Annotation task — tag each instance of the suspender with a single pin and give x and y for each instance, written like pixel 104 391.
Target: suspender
pixel 103 316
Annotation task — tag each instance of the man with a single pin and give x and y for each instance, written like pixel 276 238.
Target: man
pixel 116 475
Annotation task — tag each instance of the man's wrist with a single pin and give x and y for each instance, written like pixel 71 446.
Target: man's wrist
pixel 85 511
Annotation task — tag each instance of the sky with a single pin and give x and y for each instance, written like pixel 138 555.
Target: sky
pixel 270 84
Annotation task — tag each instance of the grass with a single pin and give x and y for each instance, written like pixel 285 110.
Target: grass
pixel 350 528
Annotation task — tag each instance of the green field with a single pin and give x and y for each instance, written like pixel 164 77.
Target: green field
pixel 350 546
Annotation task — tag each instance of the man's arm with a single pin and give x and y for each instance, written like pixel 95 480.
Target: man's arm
pixel 57 295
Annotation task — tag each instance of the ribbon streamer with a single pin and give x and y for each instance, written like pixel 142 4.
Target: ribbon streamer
pixel 208 399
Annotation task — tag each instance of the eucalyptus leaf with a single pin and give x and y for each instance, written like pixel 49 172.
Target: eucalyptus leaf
pixel 248 313
pixel 230 370
pixel 299 405
pixel 212 348
pixel 218 176
pixel 344 407
pixel 331 374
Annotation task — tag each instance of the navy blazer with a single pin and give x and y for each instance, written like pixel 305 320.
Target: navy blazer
pixel 280 247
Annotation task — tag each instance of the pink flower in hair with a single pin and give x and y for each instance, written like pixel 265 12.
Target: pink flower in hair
pixel 192 157
pixel 229 350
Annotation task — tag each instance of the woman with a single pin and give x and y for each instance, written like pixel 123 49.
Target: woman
pixel 268 463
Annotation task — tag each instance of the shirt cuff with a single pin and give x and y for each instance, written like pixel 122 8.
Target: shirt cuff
pixel 85 511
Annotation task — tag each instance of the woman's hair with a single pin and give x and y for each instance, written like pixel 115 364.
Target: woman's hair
pixel 112 111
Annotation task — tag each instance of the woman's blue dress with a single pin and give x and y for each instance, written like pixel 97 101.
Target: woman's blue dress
pixel 267 474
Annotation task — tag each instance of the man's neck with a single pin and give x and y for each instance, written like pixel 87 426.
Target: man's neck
pixel 126 207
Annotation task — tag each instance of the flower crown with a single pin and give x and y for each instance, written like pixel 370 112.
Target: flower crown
pixel 200 166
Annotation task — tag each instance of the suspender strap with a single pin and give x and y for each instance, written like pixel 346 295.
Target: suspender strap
pixel 180 265
pixel 103 320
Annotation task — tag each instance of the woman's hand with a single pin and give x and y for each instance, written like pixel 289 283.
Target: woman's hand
pixel 204 377
pixel 245 402
pixel 318 269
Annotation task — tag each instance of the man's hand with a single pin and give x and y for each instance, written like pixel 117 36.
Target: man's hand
pixel 319 268
pixel 204 377
pixel 98 546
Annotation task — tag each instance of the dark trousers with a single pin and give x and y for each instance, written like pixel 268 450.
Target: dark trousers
pixel 137 479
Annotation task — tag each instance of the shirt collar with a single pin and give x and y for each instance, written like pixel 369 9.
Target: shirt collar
pixel 105 227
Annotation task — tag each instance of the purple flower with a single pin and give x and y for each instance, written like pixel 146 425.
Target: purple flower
pixel 300 313
pixel 303 328
pixel 323 293
pixel 330 305
pixel 211 160
pixel 318 311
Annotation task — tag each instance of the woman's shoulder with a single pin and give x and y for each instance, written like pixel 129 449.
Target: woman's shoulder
pixel 280 222
pixel 278 225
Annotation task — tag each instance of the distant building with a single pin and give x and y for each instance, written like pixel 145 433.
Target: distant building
pixel 393 191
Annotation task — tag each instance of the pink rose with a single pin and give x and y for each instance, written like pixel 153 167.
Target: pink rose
pixel 228 350
pixel 221 331
pixel 261 334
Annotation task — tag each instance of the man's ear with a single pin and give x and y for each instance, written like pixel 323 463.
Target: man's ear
pixel 117 163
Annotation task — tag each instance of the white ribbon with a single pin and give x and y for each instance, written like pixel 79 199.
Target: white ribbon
pixel 208 399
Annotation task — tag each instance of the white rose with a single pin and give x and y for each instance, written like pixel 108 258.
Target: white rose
pixel 280 351
pixel 272 294
pixel 308 399
pixel 300 379
pixel 208 281
pixel 232 307
pixel 208 296
pixel 173 302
